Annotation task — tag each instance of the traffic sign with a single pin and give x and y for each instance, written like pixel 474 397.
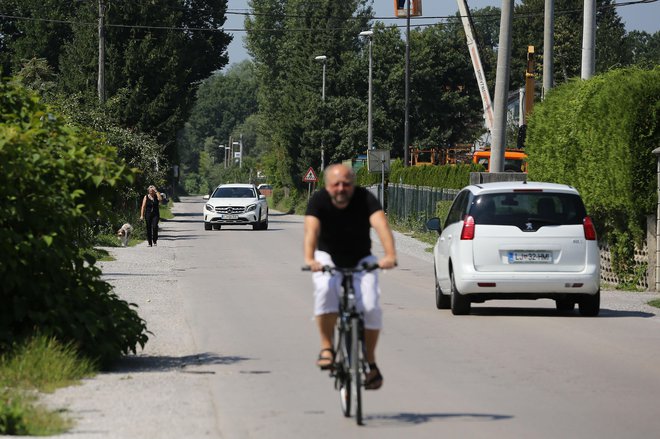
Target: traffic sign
pixel 310 176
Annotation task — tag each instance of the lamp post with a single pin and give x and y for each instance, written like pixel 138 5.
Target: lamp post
pixel 323 59
pixel 369 34
pixel 406 124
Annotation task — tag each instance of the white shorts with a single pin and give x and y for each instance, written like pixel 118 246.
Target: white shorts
pixel 327 289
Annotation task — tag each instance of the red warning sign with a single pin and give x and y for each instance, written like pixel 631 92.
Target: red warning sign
pixel 310 176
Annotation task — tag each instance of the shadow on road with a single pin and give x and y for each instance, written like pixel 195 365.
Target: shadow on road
pixel 157 363
pixel 398 419
pixel 549 312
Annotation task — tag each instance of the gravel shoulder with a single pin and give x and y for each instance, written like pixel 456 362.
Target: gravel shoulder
pixel 159 392
pixel 162 391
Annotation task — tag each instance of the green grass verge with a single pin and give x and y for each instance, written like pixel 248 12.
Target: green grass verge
pixel 40 364
pixel 655 303
pixel 166 210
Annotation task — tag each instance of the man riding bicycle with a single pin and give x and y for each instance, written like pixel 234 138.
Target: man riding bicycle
pixel 337 233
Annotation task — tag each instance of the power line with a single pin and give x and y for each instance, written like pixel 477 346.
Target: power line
pixel 198 29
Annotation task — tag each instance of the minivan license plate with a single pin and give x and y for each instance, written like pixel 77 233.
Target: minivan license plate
pixel 530 257
pixel 229 216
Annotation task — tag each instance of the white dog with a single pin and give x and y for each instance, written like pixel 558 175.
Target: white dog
pixel 124 234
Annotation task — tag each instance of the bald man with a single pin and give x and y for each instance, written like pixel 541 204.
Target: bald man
pixel 337 233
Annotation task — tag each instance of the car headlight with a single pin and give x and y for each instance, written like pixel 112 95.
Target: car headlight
pixel 251 207
pixel 210 207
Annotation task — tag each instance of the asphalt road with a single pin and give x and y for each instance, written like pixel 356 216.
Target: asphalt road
pixel 234 345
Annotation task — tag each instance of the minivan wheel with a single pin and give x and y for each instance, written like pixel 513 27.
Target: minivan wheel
pixel 589 305
pixel 460 305
pixel 442 301
pixel 207 226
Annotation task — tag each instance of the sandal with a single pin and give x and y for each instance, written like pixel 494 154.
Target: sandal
pixel 376 380
pixel 326 362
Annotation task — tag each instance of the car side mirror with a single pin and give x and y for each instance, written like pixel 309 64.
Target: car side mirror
pixel 206 197
pixel 262 197
pixel 434 224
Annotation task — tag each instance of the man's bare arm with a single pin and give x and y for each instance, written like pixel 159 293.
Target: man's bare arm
pixel 310 241
pixel 378 221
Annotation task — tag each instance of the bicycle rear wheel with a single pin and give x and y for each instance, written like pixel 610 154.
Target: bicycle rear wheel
pixel 356 366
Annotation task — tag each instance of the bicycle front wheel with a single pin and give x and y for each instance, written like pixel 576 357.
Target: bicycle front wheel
pixel 356 366
pixel 343 370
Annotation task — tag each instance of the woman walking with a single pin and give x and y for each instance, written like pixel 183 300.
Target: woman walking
pixel 151 214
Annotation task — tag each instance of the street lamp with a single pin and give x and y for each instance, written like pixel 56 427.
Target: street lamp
pixel 323 59
pixel 369 34
pixel 222 148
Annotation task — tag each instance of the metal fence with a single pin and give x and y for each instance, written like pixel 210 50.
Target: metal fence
pixel 405 201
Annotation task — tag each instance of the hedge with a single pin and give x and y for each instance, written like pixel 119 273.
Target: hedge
pixel 598 136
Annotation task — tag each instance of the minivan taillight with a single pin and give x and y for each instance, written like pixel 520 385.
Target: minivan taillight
pixel 468 228
pixel 589 229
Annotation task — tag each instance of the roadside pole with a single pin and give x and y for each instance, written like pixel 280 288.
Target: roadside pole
pixel 501 88
pixel 657 226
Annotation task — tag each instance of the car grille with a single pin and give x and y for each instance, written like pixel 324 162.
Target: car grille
pixel 230 209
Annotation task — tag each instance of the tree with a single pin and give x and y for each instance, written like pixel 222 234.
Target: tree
pixel 156 53
pixel 284 37
pixel 37 75
pixel 643 48
pixel 40 33
pixel 223 102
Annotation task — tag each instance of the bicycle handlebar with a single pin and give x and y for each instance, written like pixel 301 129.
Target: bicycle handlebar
pixel 330 269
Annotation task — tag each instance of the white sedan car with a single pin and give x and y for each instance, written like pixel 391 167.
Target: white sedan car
pixel 236 204
pixel 517 240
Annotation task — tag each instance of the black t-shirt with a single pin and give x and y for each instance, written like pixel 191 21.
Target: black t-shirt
pixel 152 207
pixel 344 232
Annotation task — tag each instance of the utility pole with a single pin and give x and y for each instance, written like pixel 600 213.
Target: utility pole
pixel 101 83
pixel 502 88
pixel 548 46
pixel 589 39
pixel 406 125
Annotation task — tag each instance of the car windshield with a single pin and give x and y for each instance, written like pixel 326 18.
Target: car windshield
pixel 520 208
pixel 233 192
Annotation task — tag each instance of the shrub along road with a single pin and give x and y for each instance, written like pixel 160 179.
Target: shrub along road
pixel 233 350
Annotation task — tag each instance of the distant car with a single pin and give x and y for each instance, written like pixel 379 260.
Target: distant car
pixel 265 186
pixel 517 240
pixel 236 204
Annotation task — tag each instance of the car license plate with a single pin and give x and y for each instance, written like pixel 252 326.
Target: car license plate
pixel 530 257
pixel 229 216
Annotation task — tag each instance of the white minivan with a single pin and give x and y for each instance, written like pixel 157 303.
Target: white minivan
pixel 517 240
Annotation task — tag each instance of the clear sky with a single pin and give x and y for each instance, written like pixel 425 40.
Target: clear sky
pixel 645 17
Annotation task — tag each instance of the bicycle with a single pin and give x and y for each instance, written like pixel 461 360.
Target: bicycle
pixel 350 365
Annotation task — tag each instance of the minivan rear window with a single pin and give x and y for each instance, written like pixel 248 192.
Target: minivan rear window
pixel 522 208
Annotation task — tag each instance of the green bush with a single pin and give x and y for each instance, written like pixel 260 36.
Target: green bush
pixel 56 180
